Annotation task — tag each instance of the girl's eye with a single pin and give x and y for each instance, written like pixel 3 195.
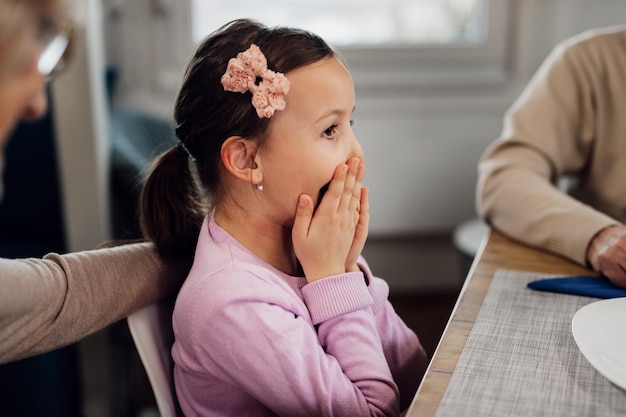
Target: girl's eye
pixel 330 132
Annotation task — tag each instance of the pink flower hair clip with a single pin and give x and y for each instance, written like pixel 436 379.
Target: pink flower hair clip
pixel 241 76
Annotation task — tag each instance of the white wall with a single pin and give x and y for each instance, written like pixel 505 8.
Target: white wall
pixel 421 158
pixel 422 154
pixel 421 150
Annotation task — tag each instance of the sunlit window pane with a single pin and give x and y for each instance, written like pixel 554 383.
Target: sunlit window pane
pixel 355 22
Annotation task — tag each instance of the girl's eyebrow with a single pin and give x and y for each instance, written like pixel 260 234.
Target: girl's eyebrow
pixel 335 112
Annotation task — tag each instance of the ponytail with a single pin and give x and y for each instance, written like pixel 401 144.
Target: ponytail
pixel 173 206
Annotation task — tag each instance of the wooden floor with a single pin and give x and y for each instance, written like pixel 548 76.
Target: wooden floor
pixel 426 314
pixel 425 275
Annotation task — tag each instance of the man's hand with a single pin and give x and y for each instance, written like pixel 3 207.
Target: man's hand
pixel 607 254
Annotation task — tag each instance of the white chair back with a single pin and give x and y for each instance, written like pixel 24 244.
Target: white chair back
pixel 151 329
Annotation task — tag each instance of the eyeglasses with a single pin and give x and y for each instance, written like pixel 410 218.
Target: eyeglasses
pixel 57 42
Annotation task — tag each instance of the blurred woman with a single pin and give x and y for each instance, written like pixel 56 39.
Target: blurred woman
pixel 55 301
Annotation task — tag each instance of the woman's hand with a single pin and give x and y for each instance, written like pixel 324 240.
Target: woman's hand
pixel 328 241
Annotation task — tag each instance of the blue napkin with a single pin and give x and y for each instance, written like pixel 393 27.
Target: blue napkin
pixel 588 286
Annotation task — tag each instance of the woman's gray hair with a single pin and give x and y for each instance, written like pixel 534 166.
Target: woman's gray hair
pixel 17 17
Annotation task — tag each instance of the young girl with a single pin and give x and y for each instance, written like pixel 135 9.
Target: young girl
pixel 280 315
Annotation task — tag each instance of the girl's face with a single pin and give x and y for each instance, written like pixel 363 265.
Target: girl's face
pixel 310 138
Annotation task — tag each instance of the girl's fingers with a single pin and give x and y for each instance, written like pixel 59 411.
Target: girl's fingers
pixel 364 210
pixel 302 221
pixel 332 198
pixel 360 233
pixel 355 200
pixel 352 186
pixel 344 190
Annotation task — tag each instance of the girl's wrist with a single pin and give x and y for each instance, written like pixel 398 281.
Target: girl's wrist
pixel 312 275
pixel 356 268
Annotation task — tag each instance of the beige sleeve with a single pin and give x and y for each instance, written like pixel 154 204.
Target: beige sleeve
pixel 52 302
pixel 548 133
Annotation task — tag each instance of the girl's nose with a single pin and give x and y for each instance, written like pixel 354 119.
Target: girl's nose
pixel 357 150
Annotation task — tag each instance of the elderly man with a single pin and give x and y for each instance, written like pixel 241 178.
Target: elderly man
pixel 569 122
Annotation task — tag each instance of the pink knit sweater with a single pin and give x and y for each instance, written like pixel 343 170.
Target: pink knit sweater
pixel 253 341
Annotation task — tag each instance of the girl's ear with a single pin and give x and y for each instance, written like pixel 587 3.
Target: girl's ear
pixel 238 157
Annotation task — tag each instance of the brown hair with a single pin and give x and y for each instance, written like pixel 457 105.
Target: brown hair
pixel 178 192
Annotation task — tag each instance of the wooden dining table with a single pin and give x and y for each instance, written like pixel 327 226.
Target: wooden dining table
pixel 496 252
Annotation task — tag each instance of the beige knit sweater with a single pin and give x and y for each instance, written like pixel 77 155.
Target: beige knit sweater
pixel 51 302
pixel 569 122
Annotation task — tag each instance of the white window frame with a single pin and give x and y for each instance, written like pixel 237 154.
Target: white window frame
pixel 429 67
pixel 377 71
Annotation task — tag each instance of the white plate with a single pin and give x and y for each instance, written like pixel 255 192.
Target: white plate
pixel 599 330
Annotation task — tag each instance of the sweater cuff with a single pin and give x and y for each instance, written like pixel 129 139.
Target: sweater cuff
pixel 573 242
pixel 377 287
pixel 333 296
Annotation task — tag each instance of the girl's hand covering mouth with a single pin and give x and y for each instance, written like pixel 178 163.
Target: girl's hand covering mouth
pixel 329 238
pixel 323 191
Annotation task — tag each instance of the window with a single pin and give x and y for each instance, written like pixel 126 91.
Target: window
pixel 390 45
pixel 393 47
pixel 355 22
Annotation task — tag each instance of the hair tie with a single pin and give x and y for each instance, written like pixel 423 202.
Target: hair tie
pixel 182 146
pixel 241 76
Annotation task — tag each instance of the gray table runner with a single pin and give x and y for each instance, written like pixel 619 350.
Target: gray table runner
pixel 521 359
